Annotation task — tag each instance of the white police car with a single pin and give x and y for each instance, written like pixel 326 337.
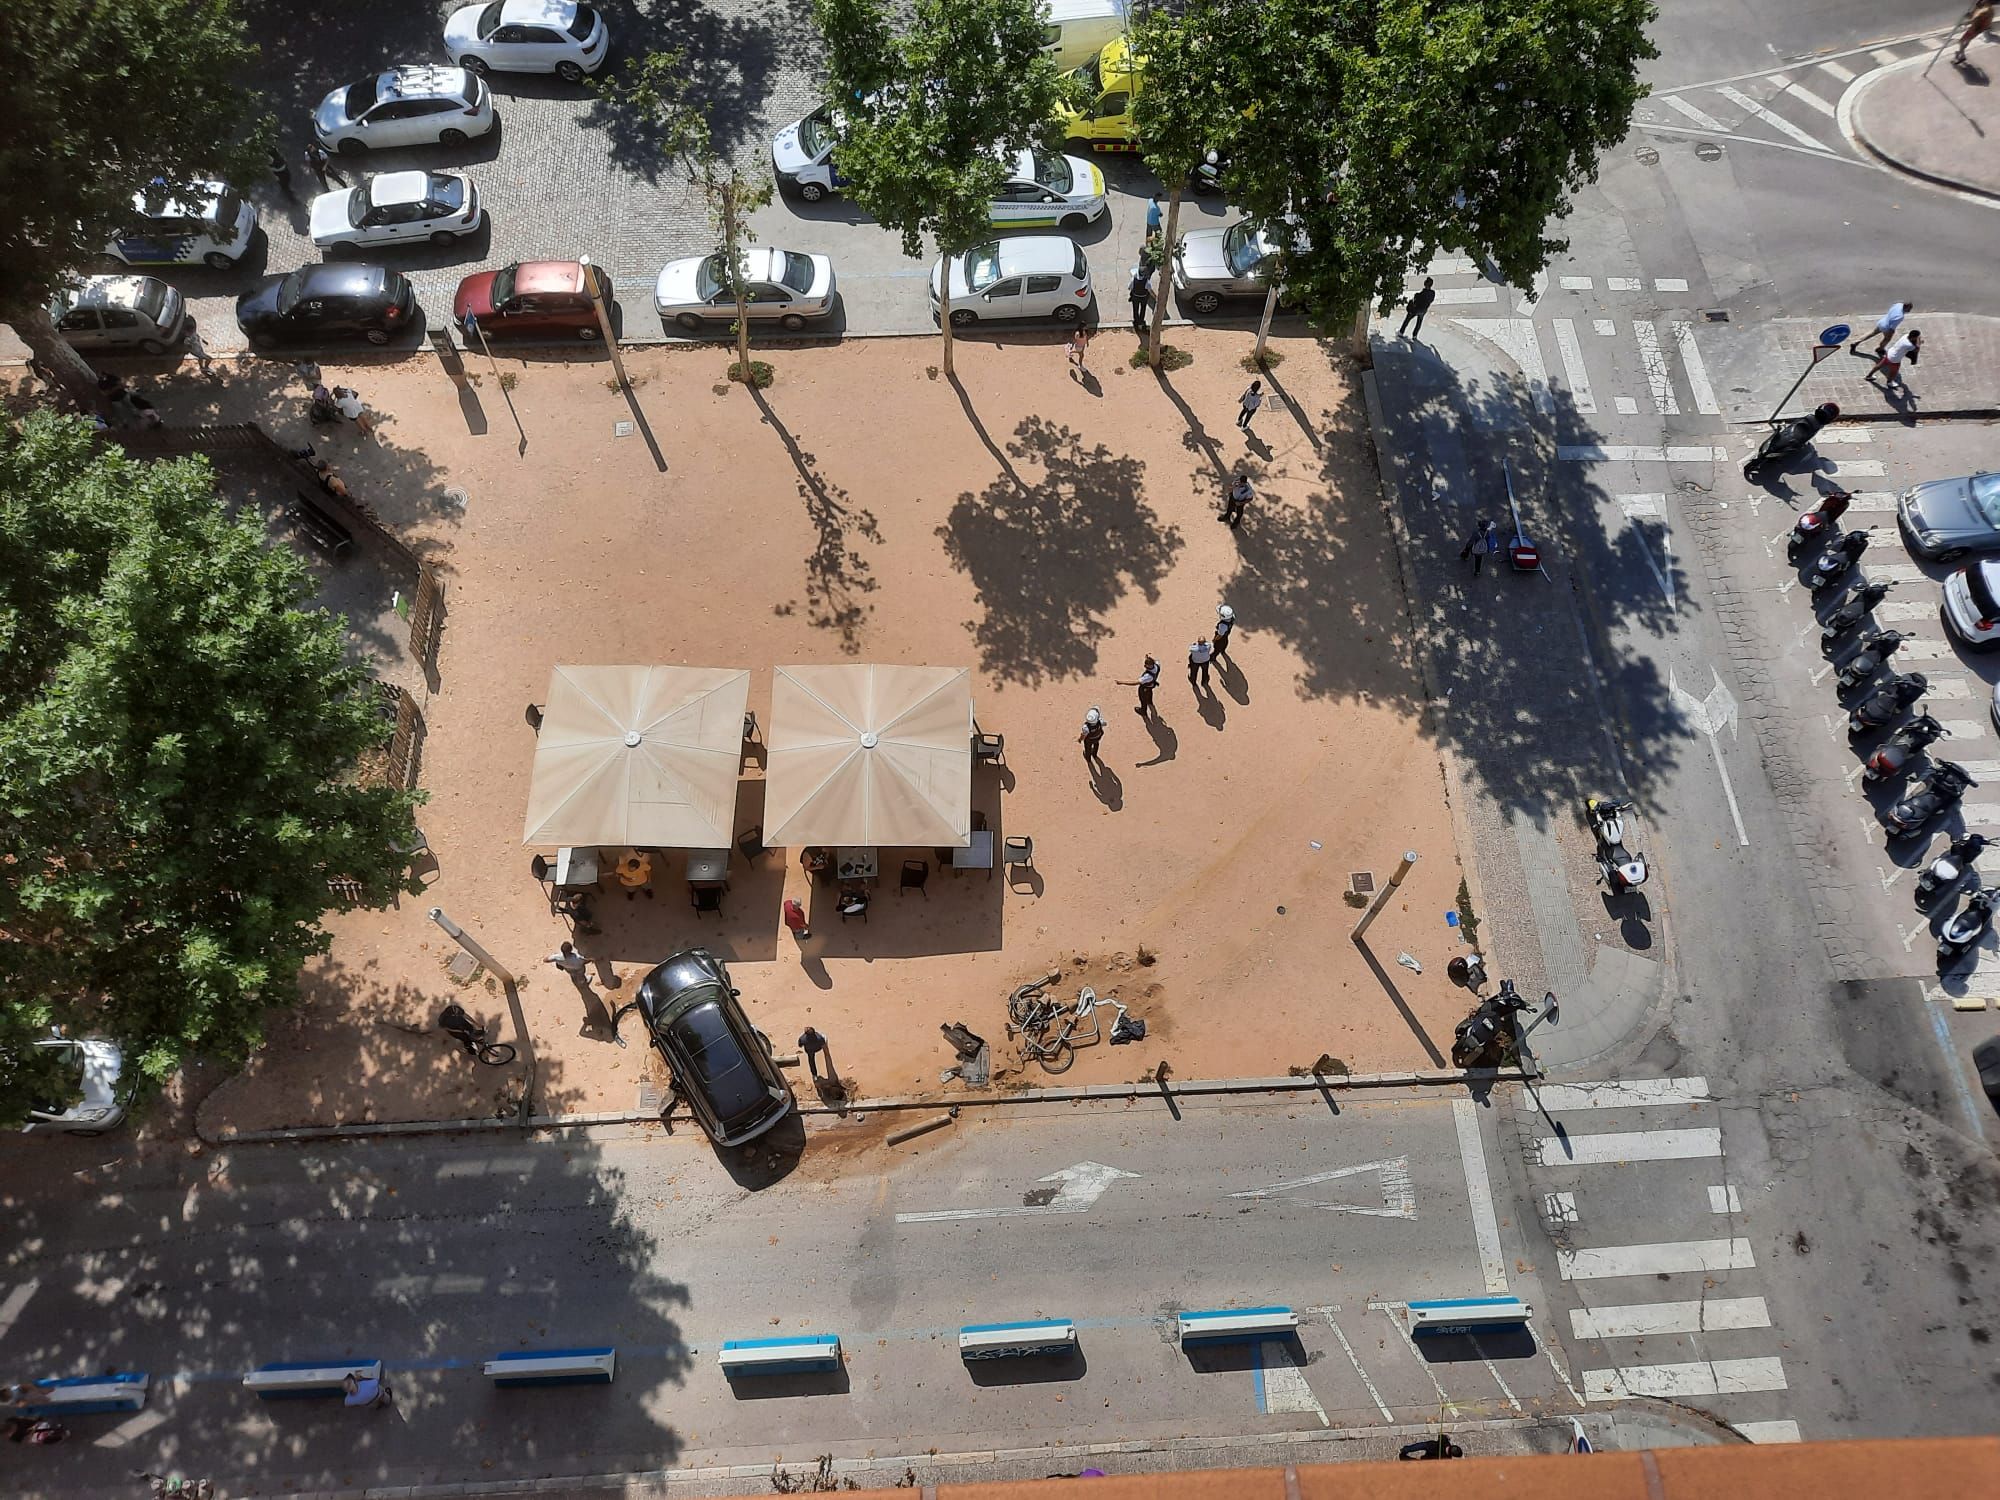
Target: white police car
pixel 212 227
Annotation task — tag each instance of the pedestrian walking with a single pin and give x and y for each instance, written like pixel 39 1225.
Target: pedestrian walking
pixel 1485 540
pixel 1250 400
pixel 1978 23
pixel 1200 654
pixel 1141 293
pixel 1225 626
pixel 282 170
pixel 1890 365
pixel 1238 495
pixel 321 163
pixel 1153 215
pixel 308 373
pixel 348 402
pixel 1414 310
pixel 364 1390
pixel 795 918
pixel 1092 737
pixel 1885 327
pixel 571 963
pixel 1145 682
pixel 814 1046
pixel 1079 344
pixel 197 348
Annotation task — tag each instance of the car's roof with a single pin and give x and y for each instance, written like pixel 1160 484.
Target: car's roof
pixel 538 12
pixel 1029 254
pixel 548 276
pixel 107 291
pixel 680 982
pixel 421 81
pixel 399 187
pixel 175 208
pixel 346 278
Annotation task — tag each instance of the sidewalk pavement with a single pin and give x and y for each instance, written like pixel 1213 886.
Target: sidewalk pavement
pixel 1933 119
pixel 1957 375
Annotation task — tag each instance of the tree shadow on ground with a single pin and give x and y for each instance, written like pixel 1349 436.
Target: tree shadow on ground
pixel 838 574
pixel 1049 560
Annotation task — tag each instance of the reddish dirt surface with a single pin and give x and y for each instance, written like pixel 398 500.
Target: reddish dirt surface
pixel 863 508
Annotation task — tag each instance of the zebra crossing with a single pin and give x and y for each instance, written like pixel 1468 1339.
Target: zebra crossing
pixel 1794 107
pixel 1678 1318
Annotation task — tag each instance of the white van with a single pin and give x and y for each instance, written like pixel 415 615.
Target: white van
pixel 1075 31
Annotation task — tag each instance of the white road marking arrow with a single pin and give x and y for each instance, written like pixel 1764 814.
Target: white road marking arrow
pixel 1077 1188
pixel 1710 716
pixel 1399 1195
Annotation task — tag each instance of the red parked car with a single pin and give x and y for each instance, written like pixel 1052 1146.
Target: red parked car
pixel 534 299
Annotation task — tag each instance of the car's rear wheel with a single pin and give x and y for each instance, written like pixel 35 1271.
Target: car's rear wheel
pixel 443 237
pixel 1067 312
pixel 475 65
pixel 569 72
pixel 792 322
pixel 589 332
pixel 350 147
pixel 152 346
pixel 451 137
pixel 688 321
pixel 378 335
pixel 963 317
pixel 215 260
pixel 812 192
pixel 1073 221
pixel 1205 303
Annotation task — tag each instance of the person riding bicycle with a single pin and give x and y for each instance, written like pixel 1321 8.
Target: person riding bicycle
pixel 461 1028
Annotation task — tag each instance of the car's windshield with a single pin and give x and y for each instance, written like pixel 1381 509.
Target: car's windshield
pixel 445 193
pixel 1986 495
pixel 1245 247
pixel 1053 172
pixel 719 1061
pixel 795 271
pixel 1089 77
pixel 489 19
pixel 362 96
pixel 708 277
pixel 357 204
pixel 291 289
pixel 982 266
pixel 152 299
pixel 817 132
pixel 224 211
pixel 580 24
pixel 503 286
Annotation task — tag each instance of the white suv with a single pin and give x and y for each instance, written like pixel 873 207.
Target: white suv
pixel 529 36
pixel 413 106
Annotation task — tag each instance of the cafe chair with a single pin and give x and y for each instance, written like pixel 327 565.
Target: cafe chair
pixel 915 873
pixel 751 842
pixel 706 898
pixel 944 861
pixel 1019 850
pixel 860 907
pixel 751 734
pixel 989 747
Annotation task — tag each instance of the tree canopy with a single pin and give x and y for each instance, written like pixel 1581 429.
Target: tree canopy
pixel 178 738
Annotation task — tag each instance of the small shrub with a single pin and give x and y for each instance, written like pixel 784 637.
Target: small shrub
pixel 759 376
pixel 509 380
pixel 1271 360
pixel 1172 357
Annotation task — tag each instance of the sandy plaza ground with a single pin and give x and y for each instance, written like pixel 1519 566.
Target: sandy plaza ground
pixel 1042 532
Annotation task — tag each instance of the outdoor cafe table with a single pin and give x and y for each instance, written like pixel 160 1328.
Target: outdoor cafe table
pixel 978 855
pixel 854 864
pixel 707 866
pixel 576 866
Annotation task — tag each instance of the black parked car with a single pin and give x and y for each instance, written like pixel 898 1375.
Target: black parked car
pixel 721 1064
pixel 328 301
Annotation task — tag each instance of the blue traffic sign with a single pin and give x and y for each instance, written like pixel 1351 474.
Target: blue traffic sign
pixel 1837 334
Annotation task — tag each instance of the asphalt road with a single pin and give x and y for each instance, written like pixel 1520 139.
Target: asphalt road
pixel 433 1255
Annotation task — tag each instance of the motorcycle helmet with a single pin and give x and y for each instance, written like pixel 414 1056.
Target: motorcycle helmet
pixel 1826 412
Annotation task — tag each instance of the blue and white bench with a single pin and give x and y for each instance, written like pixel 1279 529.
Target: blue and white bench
pixel 788 1356
pixel 1236 1325
pixel 310 1377
pixel 1008 1340
pixel 82 1395
pixel 1467 1314
pixel 554 1367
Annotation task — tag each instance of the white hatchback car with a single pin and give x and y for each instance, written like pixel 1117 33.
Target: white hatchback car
pixel 529 36
pixel 785 287
pixel 1022 276
pixel 1064 191
pixel 412 106
pixel 87 1070
pixel 1972 604
pixel 397 208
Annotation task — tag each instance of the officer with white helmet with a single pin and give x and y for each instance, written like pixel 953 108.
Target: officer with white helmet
pixel 1225 621
pixel 1092 736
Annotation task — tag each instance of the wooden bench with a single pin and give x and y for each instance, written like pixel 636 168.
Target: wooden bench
pixel 327 533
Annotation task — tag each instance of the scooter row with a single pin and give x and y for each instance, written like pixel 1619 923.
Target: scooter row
pixel 1883 699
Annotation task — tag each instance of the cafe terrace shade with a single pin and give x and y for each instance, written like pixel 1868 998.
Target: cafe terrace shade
pixel 869 755
pixel 646 757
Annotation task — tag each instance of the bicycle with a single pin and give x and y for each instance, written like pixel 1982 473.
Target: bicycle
pixel 1055 1053
pixel 469 1034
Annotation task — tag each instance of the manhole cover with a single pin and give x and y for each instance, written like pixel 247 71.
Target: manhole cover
pixel 1361 882
pixel 649 1096
pixel 1648 156
pixel 621 429
pixel 1707 151
pixel 463 967
pixel 456 498
pixel 1716 314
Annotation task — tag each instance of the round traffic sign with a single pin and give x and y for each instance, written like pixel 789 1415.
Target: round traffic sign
pixel 1837 334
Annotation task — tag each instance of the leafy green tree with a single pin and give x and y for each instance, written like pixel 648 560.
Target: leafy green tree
pixel 179 734
pixel 661 96
pixel 1385 131
pixel 931 113
pixel 1191 104
pixel 99 102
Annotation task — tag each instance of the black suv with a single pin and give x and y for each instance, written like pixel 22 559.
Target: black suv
pixel 721 1064
pixel 328 301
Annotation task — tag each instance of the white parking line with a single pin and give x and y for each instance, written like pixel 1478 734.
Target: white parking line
pixel 1373 1394
pixel 1775 121
pixel 1770 1432
pixel 1479 1194
pixel 1628 1145
pixel 1630 1093
pixel 1572 360
pixel 1837 70
pixel 1697 372
pixel 1591 453
pixel 1706 122
pixel 1662 1259
pixel 1642 1320
pixel 1713 1377
pixel 17 1299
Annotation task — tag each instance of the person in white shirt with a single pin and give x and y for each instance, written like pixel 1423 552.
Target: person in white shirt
pixel 1200 654
pixel 1907 346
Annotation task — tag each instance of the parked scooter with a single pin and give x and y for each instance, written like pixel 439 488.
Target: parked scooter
pixel 1854 607
pixel 1949 868
pixel 1619 867
pixel 1876 649
pixel 1480 1035
pixel 1902 748
pixel 1892 695
pixel 1207 175
pixel 1833 564
pixel 1817 523
pixel 1789 439
pixel 1967 926
pixel 1937 791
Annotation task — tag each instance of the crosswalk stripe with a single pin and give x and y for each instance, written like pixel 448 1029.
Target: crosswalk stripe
pixel 1769 1432
pixel 1447 295
pixel 1451 265
pixel 1665 1258
pixel 1927 651
pixel 1985 772
pixel 1725 1200
pixel 1889 572
pixel 1626 1146
pixel 1670 284
pixel 1979 814
pixel 1776 121
pixel 1642 507
pixel 1575 283
pixel 1965 729
pixel 1629 1093
pixel 1573 370
pixel 1837 70
pixel 1871 500
pixel 1859 468
pixel 1904 610
pixel 1843 435
pixel 1590 453
pixel 1628 406
pixel 1697 372
pixel 1622 284
pixel 1643 1320
pixel 1884 56
pixel 1807 97
pixel 1706 122
pixel 1658 381
pixel 1948 687
pixel 1603 327
pixel 1708 1377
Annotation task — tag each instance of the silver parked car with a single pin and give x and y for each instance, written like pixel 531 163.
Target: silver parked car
pixel 1213 266
pixel 114 313
pixel 1945 518
pixel 784 287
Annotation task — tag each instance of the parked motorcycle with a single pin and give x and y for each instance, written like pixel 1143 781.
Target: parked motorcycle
pixel 1480 1035
pixel 1207 175
pixel 1937 791
pixel 1949 868
pixel 1967 926
pixel 1902 748
pixel 1833 564
pixel 1818 523
pixel 1892 695
pixel 1855 606
pixel 1876 649
pixel 1789 439
pixel 1619 867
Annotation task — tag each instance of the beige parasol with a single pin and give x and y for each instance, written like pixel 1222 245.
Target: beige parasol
pixel 870 755
pixel 642 756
